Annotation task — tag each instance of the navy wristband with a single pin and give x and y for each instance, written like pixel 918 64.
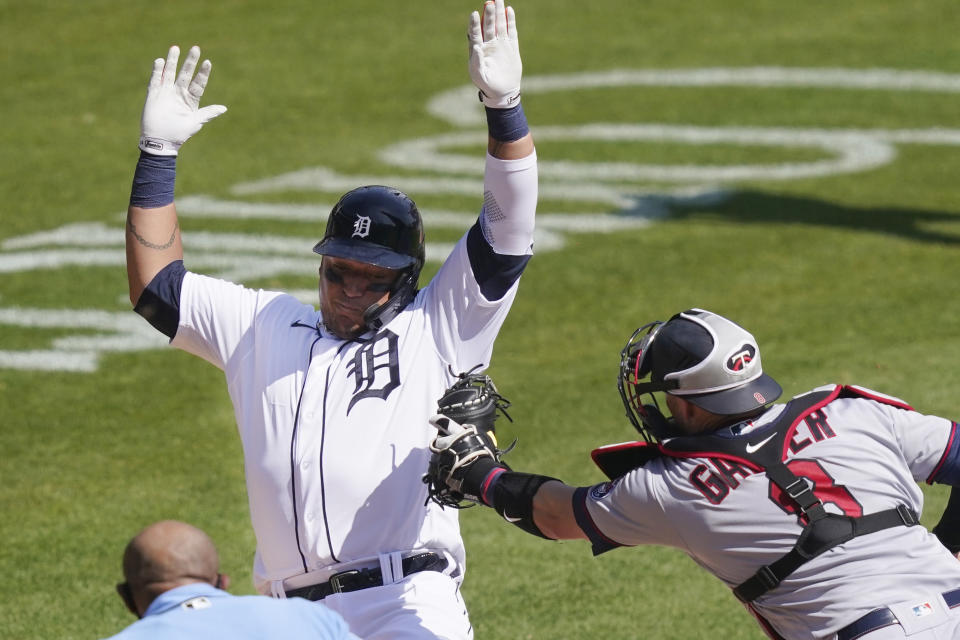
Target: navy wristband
pixel 507 125
pixel 153 181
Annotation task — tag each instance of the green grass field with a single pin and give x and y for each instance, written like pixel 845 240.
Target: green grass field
pixel 835 242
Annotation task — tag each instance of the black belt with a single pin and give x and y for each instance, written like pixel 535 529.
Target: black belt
pixel 879 618
pixel 356 579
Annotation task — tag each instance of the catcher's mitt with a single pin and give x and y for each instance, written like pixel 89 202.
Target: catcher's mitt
pixel 473 399
pixel 472 405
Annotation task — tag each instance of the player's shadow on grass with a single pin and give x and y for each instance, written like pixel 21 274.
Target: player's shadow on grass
pixel 759 207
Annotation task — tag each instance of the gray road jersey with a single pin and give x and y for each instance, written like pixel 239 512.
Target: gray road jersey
pixel 865 456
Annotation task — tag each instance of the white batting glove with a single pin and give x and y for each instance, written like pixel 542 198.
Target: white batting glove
pixel 171 113
pixel 495 66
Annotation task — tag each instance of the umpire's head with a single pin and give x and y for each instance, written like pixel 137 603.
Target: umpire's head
pixel 708 366
pixel 163 556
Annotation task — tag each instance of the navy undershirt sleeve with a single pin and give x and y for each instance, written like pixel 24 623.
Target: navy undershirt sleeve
pixel 948 471
pixel 600 543
pixel 160 301
pixel 948 529
pixel 494 272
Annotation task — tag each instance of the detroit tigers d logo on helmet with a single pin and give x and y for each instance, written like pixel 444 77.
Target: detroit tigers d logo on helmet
pixel 381 226
pixel 377 225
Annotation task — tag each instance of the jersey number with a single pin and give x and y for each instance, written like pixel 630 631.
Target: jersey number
pixel 824 488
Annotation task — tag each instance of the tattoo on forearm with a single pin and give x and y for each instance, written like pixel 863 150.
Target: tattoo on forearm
pixel 146 243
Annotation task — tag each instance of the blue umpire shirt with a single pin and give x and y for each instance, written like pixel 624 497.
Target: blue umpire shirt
pixel 200 610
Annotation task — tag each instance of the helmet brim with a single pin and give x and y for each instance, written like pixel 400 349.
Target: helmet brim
pixel 365 252
pixel 740 400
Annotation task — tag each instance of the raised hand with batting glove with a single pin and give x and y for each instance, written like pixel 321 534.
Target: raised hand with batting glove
pixel 171 112
pixel 496 70
pixel 495 65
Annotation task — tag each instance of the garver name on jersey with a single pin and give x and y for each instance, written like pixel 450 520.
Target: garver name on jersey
pixel 716 479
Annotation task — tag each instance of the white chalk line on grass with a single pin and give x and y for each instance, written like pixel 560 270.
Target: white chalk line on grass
pixel 107 332
pixel 459 105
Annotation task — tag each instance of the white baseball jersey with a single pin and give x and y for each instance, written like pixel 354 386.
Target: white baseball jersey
pixel 863 456
pixel 335 433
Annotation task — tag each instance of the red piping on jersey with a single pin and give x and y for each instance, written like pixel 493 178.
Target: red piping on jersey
pixel 622 446
pixel 837 392
pixel 879 398
pixel 793 426
pixel 946 452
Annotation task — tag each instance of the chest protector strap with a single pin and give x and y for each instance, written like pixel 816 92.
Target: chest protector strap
pixel 765 450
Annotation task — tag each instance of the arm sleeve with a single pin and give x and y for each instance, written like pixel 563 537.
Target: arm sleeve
pixel 509 204
pixel 501 242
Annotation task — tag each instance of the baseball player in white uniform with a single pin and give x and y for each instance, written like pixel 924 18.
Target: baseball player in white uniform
pixel 806 510
pixel 332 406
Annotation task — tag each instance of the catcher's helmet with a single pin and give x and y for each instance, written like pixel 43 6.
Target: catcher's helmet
pixel 380 226
pixel 700 356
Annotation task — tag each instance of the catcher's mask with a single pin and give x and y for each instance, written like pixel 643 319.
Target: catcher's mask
pixel 700 356
pixel 380 226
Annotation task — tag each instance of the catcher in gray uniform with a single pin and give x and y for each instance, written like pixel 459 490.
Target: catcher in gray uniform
pixel 826 481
